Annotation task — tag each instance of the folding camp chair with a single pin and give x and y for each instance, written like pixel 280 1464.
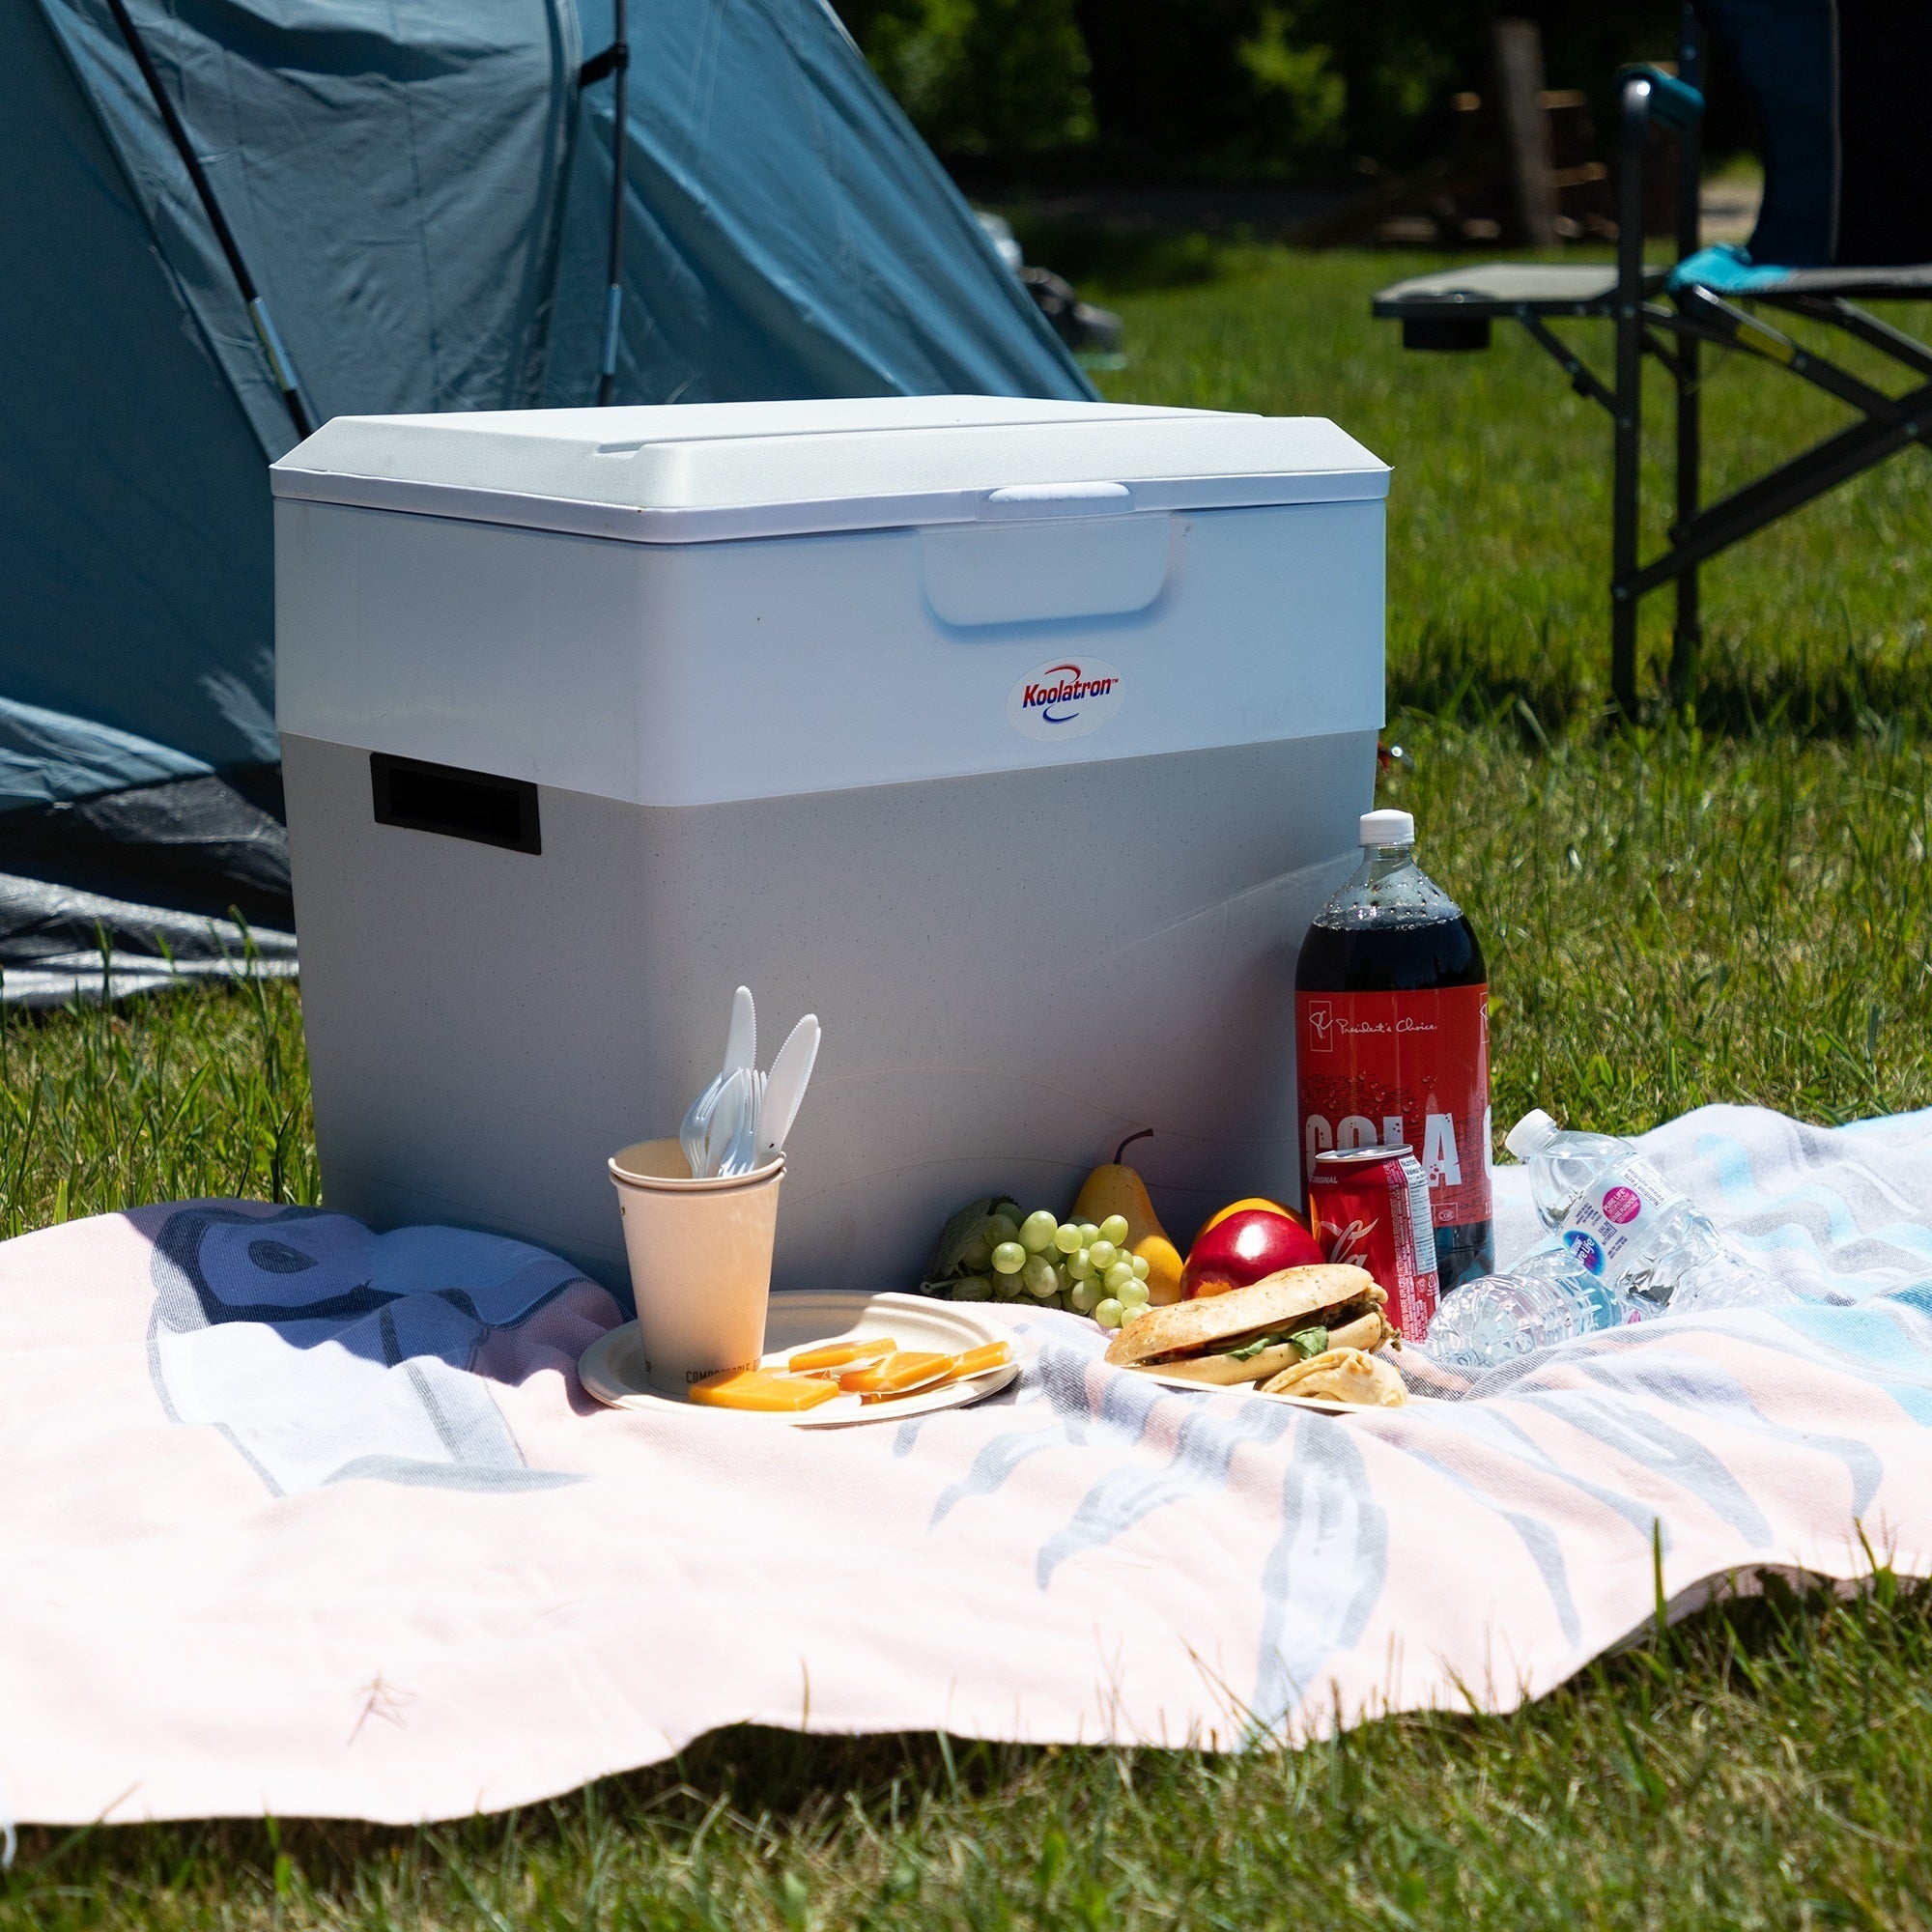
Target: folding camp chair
pixel 1847 213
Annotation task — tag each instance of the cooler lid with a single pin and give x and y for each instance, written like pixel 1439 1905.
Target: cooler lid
pixel 707 473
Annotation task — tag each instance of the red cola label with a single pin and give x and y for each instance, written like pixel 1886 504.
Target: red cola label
pixel 1382 1070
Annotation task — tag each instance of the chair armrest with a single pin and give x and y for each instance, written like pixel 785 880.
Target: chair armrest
pixel 1673 102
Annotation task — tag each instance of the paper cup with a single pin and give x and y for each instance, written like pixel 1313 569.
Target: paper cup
pixel 700 1255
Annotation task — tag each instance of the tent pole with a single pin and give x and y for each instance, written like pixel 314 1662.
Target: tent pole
pixel 279 367
pixel 619 57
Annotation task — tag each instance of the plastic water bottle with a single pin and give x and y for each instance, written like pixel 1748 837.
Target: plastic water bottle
pixel 1629 1246
pixel 1546 1298
pixel 1622 1222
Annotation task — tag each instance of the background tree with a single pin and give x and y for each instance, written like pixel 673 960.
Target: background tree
pixel 1174 90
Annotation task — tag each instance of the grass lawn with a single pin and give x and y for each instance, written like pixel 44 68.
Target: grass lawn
pixel 1733 905
pixel 1499 508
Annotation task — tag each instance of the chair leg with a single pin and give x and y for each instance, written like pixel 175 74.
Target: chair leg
pixel 1627 413
pixel 1688 633
pixel 1624 505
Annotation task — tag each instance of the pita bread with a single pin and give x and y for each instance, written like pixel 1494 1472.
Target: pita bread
pixel 1342 1375
pixel 1193 1327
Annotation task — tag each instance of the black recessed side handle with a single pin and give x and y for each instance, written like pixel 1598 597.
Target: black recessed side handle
pixel 455 803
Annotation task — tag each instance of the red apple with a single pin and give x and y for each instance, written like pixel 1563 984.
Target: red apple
pixel 1244 1249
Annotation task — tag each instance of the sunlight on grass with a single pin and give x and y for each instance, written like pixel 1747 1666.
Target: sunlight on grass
pixel 173 1098
pixel 1671 918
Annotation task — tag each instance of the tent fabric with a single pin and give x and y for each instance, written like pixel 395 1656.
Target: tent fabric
pixel 390 173
pixel 150 843
pixel 47 757
pixel 62 946
pixel 136 614
pixel 129 890
pixel 421 189
pixel 811 247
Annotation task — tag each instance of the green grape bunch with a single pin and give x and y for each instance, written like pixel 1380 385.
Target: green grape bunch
pixel 994 1251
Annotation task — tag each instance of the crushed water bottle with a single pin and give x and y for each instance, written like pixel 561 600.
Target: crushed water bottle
pixel 1544 1299
pixel 1629 1246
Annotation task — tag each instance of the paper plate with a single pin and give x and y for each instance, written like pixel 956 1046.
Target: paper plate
pixel 1321 1405
pixel 612 1367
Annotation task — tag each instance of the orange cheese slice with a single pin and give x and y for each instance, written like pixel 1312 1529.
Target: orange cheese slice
pixel 840 1355
pixel 979 1361
pixel 764 1389
pixel 899 1374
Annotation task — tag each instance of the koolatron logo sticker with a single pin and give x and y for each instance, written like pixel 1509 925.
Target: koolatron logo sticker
pixel 1067 698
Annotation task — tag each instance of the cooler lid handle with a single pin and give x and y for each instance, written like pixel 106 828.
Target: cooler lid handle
pixel 1029 500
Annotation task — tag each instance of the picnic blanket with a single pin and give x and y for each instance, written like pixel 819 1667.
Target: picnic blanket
pixel 301 1520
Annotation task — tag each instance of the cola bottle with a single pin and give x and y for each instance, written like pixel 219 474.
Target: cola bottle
pixel 1392 1038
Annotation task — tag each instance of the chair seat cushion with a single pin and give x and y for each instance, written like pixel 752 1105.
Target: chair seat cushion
pixel 1502 288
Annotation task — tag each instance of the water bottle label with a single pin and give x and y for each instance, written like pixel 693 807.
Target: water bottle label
pixel 1589 1256
pixel 1608 1229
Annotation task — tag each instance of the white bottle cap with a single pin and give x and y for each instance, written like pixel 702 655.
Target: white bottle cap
pixel 1531 1134
pixel 1388 827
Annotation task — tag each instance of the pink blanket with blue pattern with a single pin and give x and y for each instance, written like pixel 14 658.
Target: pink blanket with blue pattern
pixel 300 1520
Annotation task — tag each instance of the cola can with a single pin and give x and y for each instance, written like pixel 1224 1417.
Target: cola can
pixel 1369 1207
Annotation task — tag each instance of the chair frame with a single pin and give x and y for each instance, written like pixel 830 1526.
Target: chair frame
pixel 1672 330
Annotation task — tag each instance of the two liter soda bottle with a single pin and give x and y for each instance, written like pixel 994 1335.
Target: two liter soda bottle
pixel 1392 1036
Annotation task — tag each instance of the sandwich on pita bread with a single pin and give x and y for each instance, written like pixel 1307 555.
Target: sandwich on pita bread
pixel 1250 1334
pixel 1341 1375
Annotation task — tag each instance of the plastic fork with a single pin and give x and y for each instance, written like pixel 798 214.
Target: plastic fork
pixel 726 1118
pixel 731 1139
pixel 740 1154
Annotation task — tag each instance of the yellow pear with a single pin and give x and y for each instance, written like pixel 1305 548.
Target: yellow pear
pixel 1116 1189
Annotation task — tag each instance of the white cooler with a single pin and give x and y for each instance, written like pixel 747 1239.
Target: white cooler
pixel 1018 740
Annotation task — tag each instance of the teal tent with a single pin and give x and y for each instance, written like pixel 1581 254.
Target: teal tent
pixel 419 193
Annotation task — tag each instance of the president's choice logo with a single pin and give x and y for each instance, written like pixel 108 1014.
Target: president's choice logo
pixel 1067 698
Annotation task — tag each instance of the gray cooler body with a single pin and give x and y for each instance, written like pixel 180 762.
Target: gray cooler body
pixel 1019 741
